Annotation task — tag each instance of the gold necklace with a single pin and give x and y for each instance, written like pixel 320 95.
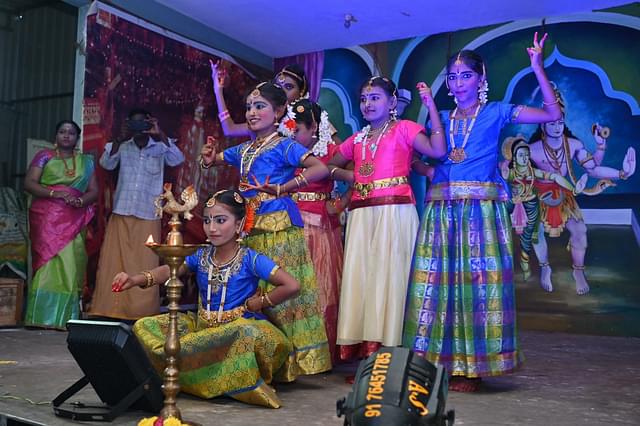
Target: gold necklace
pixel 252 151
pixel 457 154
pixel 69 172
pixel 465 111
pixel 366 169
pixel 217 278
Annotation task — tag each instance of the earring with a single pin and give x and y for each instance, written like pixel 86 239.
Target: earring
pixel 483 89
pixel 394 114
pixel 240 238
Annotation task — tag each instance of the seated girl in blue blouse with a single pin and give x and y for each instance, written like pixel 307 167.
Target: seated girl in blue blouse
pixel 229 347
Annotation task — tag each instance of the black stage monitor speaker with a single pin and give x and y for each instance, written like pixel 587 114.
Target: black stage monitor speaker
pixel 117 367
pixel 394 387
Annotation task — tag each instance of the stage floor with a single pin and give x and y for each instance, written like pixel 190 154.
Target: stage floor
pixel 567 380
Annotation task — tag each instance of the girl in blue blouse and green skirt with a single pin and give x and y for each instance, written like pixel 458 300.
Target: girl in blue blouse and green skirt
pixel 229 347
pixel 461 302
pixel 267 167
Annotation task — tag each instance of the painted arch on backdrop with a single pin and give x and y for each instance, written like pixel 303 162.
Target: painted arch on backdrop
pixel 500 45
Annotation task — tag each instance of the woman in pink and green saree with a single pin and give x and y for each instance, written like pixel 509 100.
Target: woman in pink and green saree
pixel 64 188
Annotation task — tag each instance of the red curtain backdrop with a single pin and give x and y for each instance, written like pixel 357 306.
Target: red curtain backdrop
pixel 130 66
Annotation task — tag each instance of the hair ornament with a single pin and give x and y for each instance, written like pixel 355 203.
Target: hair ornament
pixel 238 198
pixel 324 130
pixel 211 201
pixel 248 220
pixel 288 123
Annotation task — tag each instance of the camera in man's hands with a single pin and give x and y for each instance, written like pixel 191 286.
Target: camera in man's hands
pixel 139 125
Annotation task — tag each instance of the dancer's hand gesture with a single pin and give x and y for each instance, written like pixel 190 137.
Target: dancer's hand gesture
pixel 425 94
pixel 218 75
pixel 208 152
pixel 536 51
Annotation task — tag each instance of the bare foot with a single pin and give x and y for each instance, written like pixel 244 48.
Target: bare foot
pixel 464 384
pixel 545 278
pixel 582 287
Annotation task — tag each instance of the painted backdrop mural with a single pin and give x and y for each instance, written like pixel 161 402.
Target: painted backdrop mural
pixel 592 60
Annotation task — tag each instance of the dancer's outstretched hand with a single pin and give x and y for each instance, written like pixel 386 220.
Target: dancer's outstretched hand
pixel 218 75
pixel 208 152
pixel 425 94
pixel 121 282
pixel 535 52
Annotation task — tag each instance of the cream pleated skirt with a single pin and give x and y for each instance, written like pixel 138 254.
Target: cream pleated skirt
pixel 377 263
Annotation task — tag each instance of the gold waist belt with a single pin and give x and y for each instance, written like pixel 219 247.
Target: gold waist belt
pixel 311 196
pixel 211 317
pixel 258 199
pixel 364 189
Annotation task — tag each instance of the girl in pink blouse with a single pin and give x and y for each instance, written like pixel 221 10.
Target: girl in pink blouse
pixel 383 221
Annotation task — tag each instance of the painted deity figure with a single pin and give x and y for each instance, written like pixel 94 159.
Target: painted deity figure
pixel 524 205
pixel 553 149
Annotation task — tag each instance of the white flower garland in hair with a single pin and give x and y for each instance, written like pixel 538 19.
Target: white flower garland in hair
pixel 362 134
pixel 288 123
pixel 320 148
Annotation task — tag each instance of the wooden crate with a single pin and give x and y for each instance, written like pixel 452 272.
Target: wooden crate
pixel 11 290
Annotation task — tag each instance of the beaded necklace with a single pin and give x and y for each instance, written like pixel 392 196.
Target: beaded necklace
pixel 252 151
pixel 366 168
pixel 218 276
pixel 457 154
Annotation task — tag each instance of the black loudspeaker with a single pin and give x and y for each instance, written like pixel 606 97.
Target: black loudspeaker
pixel 394 386
pixel 117 367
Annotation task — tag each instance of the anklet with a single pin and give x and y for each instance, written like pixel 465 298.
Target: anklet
pixel 578 268
pixel 543 264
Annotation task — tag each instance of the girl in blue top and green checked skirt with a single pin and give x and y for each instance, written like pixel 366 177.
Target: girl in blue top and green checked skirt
pixel 461 302
pixel 267 168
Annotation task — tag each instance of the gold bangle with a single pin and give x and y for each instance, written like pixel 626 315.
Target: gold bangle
pixel 246 306
pixel 306 182
pixel 278 191
pixel 332 172
pixel 149 277
pixel 81 201
pixel 269 302
pixel 51 193
pixel 550 103
pixel 297 181
pixel 224 115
